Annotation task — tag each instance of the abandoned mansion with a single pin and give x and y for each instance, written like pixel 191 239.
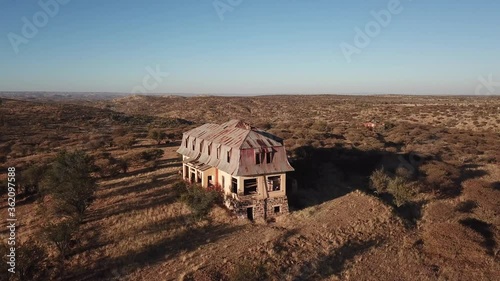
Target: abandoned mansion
pixel 248 164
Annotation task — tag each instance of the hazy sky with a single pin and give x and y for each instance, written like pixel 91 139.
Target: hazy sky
pixel 250 46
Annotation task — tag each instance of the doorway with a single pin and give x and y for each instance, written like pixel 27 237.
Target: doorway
pixel 250 213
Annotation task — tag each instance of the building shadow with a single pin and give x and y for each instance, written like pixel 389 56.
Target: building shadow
pixel 323 174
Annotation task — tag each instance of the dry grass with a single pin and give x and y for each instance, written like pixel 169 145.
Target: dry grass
pixel 136 228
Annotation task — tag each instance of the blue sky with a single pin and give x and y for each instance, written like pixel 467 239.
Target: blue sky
pixel 252 47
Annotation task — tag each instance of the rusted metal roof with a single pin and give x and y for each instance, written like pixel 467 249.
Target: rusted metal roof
pixel 237 142
pixel 234 133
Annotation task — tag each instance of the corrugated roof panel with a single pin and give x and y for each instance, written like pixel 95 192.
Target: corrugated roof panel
pixel 239 135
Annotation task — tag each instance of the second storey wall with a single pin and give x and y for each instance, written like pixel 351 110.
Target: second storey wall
pixel 262 192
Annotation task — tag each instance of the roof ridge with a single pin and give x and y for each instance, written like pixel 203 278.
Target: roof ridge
pixel 245 138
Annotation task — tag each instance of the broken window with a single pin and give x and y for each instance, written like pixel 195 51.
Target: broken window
pixel 269 157
pixel 249 186
pixel 199 177
pixel 274 183
pixel 258 157
pixel 277 209
pixel 234 185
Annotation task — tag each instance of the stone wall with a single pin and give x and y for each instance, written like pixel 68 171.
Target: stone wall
pixel 281 202
pixel 262 208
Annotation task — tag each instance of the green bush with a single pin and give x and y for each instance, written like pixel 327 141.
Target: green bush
pixel 200 200
pixel 398 186
pixel 401 190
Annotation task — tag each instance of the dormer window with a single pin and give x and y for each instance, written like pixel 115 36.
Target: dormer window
pixel 228 156
pixel 187 140
pixel 209 149
pixel 201 146
pixel 194 145
pixel 269 157
pixel 258 158
pixel 218 152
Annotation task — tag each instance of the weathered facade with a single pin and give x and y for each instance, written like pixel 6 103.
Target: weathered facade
pixel 248 164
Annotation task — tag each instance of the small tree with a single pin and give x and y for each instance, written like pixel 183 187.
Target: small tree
pixel 61 234
pixel 157 135
pixel 69 180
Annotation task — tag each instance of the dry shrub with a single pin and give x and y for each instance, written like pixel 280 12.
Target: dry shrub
pixel 401 190
pixel 379 180
pixel 109 167
pixel 125 142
